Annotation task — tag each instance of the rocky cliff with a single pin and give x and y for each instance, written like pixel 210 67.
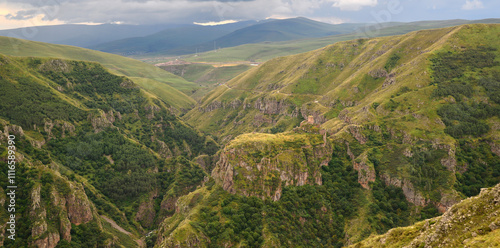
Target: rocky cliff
pixel 87 141
pixel 473 222
pixel 262 164
pixel 71 206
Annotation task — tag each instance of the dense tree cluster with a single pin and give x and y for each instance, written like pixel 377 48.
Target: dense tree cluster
pixel 456 74
pixel 482 167
pixel 28 103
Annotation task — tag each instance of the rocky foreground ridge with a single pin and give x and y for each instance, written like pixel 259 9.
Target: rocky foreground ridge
pixel 473 222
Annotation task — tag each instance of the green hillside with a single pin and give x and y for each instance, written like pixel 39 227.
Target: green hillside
pixel 173 41
pixel 415 116
pixel 328 148
pixel 188 40
pixel 278 30
pixel 96 155
pixel 207 76
pixel 169 84
pixel 470 223
pixel 264 51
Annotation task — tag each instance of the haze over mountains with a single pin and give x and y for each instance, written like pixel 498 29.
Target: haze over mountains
pixel 83 35
pixel 153 40
pixel 336 137
pixel 268 30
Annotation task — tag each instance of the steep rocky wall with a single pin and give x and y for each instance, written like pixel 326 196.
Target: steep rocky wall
pixel 260 164
pixel 66 208
pixel 176 231
pixel 474 222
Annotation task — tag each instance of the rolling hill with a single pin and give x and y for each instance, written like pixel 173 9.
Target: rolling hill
pixel 205 38
pixel 394 98
pixel 164 84
pixel 206 75
pixel 82 35
pixel 329 148
pixel 172 41
pixel 276 30
pixel 261 52
pixel 95 154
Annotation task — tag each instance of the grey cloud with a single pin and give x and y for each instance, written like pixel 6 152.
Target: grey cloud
pixel 22 15
pixel 41 3
pixel 189 11
pixel 172 11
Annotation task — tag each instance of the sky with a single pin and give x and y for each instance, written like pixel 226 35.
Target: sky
pixel 25 13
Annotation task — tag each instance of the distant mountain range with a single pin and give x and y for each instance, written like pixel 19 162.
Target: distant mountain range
pixel 83 35
pixel 300 31
pixel 177 39
pixel 270 31
pixel 264 51
pixel 172 39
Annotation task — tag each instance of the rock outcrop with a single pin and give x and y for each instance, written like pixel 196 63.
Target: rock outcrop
pixel 474 222
pixel 259 164
pixel 366 172
pixel 66 128
pixel 411 194
pixel 177 231
pixel 78 205
pixel 40 233
pixel 70 206
pixel 13 130
pixel 103 120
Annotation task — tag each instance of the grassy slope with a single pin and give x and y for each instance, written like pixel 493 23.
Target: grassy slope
pixel 264 51
pixel 36 94
pixel 169 40
pixel 335 81
pixel 282 30
pixel 205 75
pixel 145 75
pixel 473 222
pixel 334 84
pixel 324 80
pixel 187 40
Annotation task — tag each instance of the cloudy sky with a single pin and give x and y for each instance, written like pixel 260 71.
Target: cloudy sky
pixel 23 13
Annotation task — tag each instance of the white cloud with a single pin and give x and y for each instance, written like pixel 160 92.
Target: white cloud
pixel 35 18
pixel 215 23
pixel 331 20
pixel 353 5
pixel 472 4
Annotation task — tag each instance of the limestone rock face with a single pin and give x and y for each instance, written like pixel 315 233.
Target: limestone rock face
pixel 366 173
pixel 66 207
pixel 102 120
pixel 411 194
pixel 177 231
pixel 211 107
pixel 66 128
pixel 50 241
pixel 78 205
pixel 495 148
pixel 13 130
pixel 259 164
pixel 39 231
pixel 270 106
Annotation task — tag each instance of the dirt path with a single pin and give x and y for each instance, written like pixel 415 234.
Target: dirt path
pixel 119 228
